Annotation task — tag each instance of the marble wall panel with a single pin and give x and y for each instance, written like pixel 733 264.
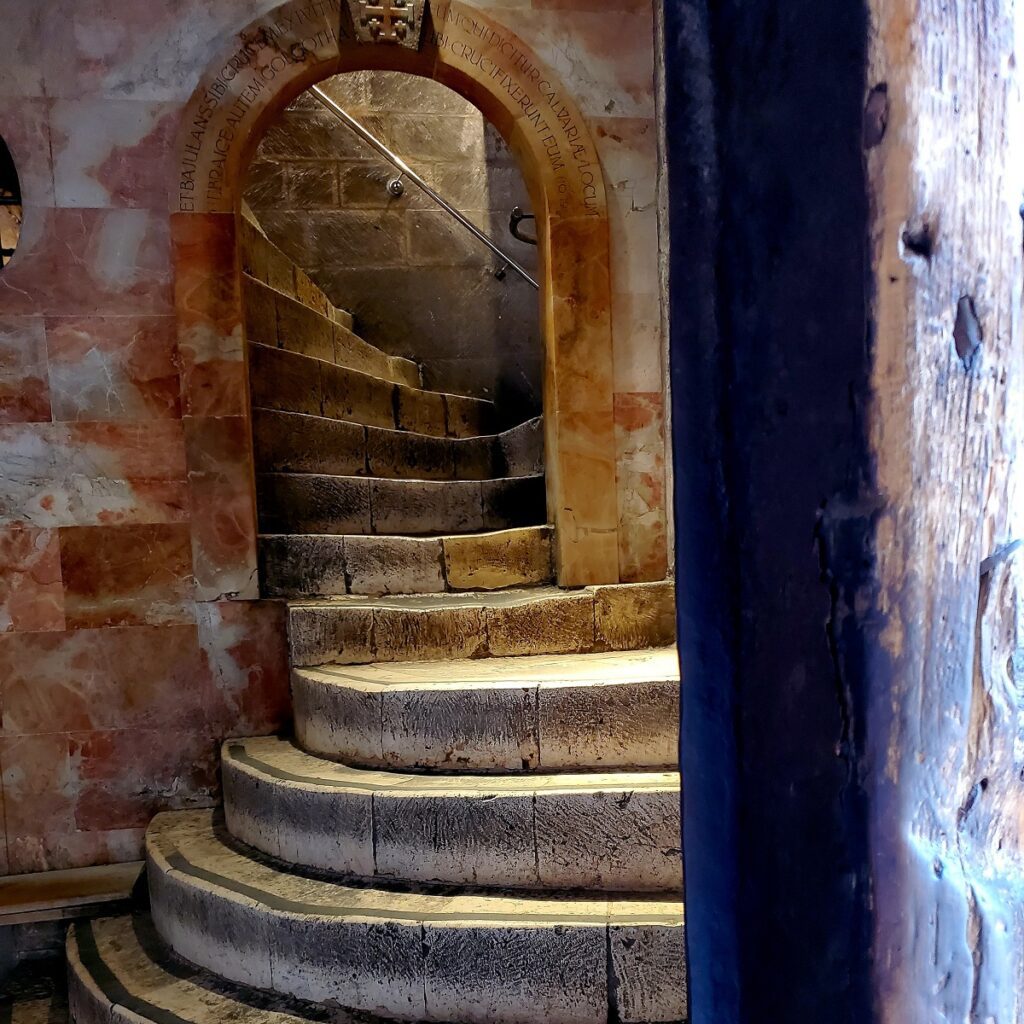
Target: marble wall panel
pixel 85 262
pixel 113 368
pixel 31 589
pixel 122 677
pixel 24 388
pixel 25 127
pixel 222 506
pixel 640 471
pixel 127 575
pixel 245 647
pixel 111 153
pixel 209 312
pixel 79 474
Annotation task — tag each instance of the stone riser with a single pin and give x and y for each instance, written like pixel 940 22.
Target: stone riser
pixel 350 631
pixel 277 320
pixel 443 718
pixel 264 262
pixel 493 959
pixel 296 443
pixel 296 383
pixel 329 566
pixel 308 503
pixel 611 832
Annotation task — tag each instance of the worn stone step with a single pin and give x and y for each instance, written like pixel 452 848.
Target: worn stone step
pixel 289 442
pixel 282 321
pixel 500 959
pixel 292 382
pixel 319 565
pixel 602 832
pixel 562 713
pixel 544 620
pixel 120 972
pixel 316 503
pixel 262 260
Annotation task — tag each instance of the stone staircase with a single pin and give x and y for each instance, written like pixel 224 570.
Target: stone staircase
pixel 368 483
pixel 477 818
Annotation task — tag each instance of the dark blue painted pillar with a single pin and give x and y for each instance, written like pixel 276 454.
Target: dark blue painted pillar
pixel 774 501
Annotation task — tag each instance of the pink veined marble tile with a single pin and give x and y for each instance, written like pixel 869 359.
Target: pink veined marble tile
pixel 81 474
pixel 640 430
pixel 76 262
pixel 180 769
pixel 209 307
pixel 109 152
pixel 127 575
pixel 31 590
pixel 127 677
pixel 246 647
pixel 39 794
pixel 113 368
pixel 24 390
pixel 25 127
pixel 223 508
pixel 628 148
pixel 156 50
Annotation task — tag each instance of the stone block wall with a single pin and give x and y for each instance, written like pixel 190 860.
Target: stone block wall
pixel 420 285
pixel 117 674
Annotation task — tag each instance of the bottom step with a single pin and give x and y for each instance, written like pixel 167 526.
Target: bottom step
pixel 120 973
pixel 426 956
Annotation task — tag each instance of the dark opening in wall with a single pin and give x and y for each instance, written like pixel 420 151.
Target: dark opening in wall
pixel 10 205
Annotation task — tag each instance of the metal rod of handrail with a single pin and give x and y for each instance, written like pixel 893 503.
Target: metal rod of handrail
pixel 396 161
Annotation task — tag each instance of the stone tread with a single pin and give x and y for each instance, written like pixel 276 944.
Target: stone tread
pixel 318 565
pixel 613 831
pixel 416 955
pixel 119 972
pixel 355 630
pixel 295 442
pixel 595 711
pixel 281 320
pixel 309 503
pixel 293 382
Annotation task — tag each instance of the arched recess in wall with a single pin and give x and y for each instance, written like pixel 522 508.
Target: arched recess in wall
pixel 10 205
pixel 258 75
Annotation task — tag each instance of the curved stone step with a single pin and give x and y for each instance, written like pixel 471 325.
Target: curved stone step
pixel 600 832
pixel 119 972
pixel 411 955
pixel 281 321
pixel 291 382
pixel 596 711
pixel 315 503
pixel 544 620
pixel 331 566
pixel 291 442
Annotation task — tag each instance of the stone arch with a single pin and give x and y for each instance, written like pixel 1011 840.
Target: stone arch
pixel 263 69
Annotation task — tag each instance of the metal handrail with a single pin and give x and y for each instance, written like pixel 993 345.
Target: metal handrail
pixel 396 161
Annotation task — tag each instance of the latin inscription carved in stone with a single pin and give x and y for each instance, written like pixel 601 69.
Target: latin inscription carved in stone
pixel 553 119
pixel 296 36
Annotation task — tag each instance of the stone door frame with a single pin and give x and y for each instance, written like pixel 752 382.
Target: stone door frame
pixel 258 73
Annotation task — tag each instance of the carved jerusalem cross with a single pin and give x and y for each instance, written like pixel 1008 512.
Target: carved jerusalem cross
pixel 387 21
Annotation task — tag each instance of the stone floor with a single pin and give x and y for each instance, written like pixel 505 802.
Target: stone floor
pixel 35 992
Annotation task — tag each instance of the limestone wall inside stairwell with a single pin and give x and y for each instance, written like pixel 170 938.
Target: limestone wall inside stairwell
pixel 116 684
pixel 419 285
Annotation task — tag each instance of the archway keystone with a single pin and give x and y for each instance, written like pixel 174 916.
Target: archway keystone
pixel 263 69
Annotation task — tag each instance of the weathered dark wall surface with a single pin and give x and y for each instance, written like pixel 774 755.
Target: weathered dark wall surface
pixel 847 369
pixel 770 369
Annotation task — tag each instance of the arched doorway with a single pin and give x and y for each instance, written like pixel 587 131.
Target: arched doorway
pixel 271 62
